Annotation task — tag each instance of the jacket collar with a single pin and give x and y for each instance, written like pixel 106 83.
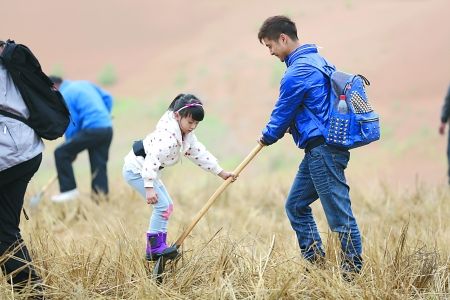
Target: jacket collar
pixel 64 85
pixel 302 50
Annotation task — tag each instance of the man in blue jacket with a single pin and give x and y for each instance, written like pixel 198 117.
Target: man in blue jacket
pixel 90 129
pixel 321 172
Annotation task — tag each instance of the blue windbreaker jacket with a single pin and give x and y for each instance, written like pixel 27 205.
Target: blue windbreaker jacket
pixel 89 106
pixel 302 85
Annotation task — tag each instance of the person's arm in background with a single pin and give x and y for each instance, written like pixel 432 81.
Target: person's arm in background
pixel 445 112
pixel 75 123
pixel 107 98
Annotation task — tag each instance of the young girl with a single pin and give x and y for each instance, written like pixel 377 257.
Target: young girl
pixel 163 147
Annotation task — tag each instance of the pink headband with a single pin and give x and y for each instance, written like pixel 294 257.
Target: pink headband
pixel 189 105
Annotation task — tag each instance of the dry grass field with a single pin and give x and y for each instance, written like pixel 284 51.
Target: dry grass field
pixel 244 247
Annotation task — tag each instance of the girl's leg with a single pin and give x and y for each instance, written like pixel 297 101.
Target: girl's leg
pixel 157 232
pixel 161 210
pixel 135 180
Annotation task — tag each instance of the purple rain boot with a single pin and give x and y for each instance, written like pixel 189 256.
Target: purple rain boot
pixel 156 247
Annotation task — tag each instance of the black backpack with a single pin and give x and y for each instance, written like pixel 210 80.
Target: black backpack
pixel 49 115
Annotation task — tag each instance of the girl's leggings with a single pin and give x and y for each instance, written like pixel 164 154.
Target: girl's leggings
pixel 162 209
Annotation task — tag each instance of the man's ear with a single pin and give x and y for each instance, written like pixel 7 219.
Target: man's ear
pixel 283 38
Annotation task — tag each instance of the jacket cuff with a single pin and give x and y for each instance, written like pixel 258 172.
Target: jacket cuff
pixel 148 183
pixel 265 141
pixel 217 170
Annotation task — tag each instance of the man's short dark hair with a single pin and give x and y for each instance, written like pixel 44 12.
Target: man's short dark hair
pixel 274 26
pixel 55 79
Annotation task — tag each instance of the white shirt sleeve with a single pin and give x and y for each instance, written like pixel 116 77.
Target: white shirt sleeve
pixel 197 153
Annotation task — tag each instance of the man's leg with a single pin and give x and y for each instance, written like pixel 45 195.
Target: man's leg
pixel 98 158
pixel 328 175
pixel 299 212
pixel 13 183
pixel 65 154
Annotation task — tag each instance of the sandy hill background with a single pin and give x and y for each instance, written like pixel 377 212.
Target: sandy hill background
pixel 161 48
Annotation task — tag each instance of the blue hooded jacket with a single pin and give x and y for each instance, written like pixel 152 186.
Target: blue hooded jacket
pixel 302 85
pixel 89 106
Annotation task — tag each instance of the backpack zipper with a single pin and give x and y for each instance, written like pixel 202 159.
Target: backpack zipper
pixel 368 120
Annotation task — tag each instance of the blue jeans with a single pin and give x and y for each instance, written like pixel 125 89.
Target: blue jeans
pixel 321 175
pixel 162 209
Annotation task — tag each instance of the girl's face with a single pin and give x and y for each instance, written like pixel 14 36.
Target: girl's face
pixel 187 124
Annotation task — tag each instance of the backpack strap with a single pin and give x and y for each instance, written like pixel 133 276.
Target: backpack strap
pixel 6 58
pixel 13 116
pixel 8 50
pixel 326 70
pixel 315 120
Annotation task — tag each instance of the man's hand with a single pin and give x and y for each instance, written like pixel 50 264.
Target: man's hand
pixel 225 175
pixel 442 128
pixel 150 195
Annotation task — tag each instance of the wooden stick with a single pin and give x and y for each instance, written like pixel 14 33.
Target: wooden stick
pixel 34 201
pixel 49 183
pixel 216 194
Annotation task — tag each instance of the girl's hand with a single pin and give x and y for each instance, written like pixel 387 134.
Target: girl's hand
pixel 150 195
pixel 225 175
